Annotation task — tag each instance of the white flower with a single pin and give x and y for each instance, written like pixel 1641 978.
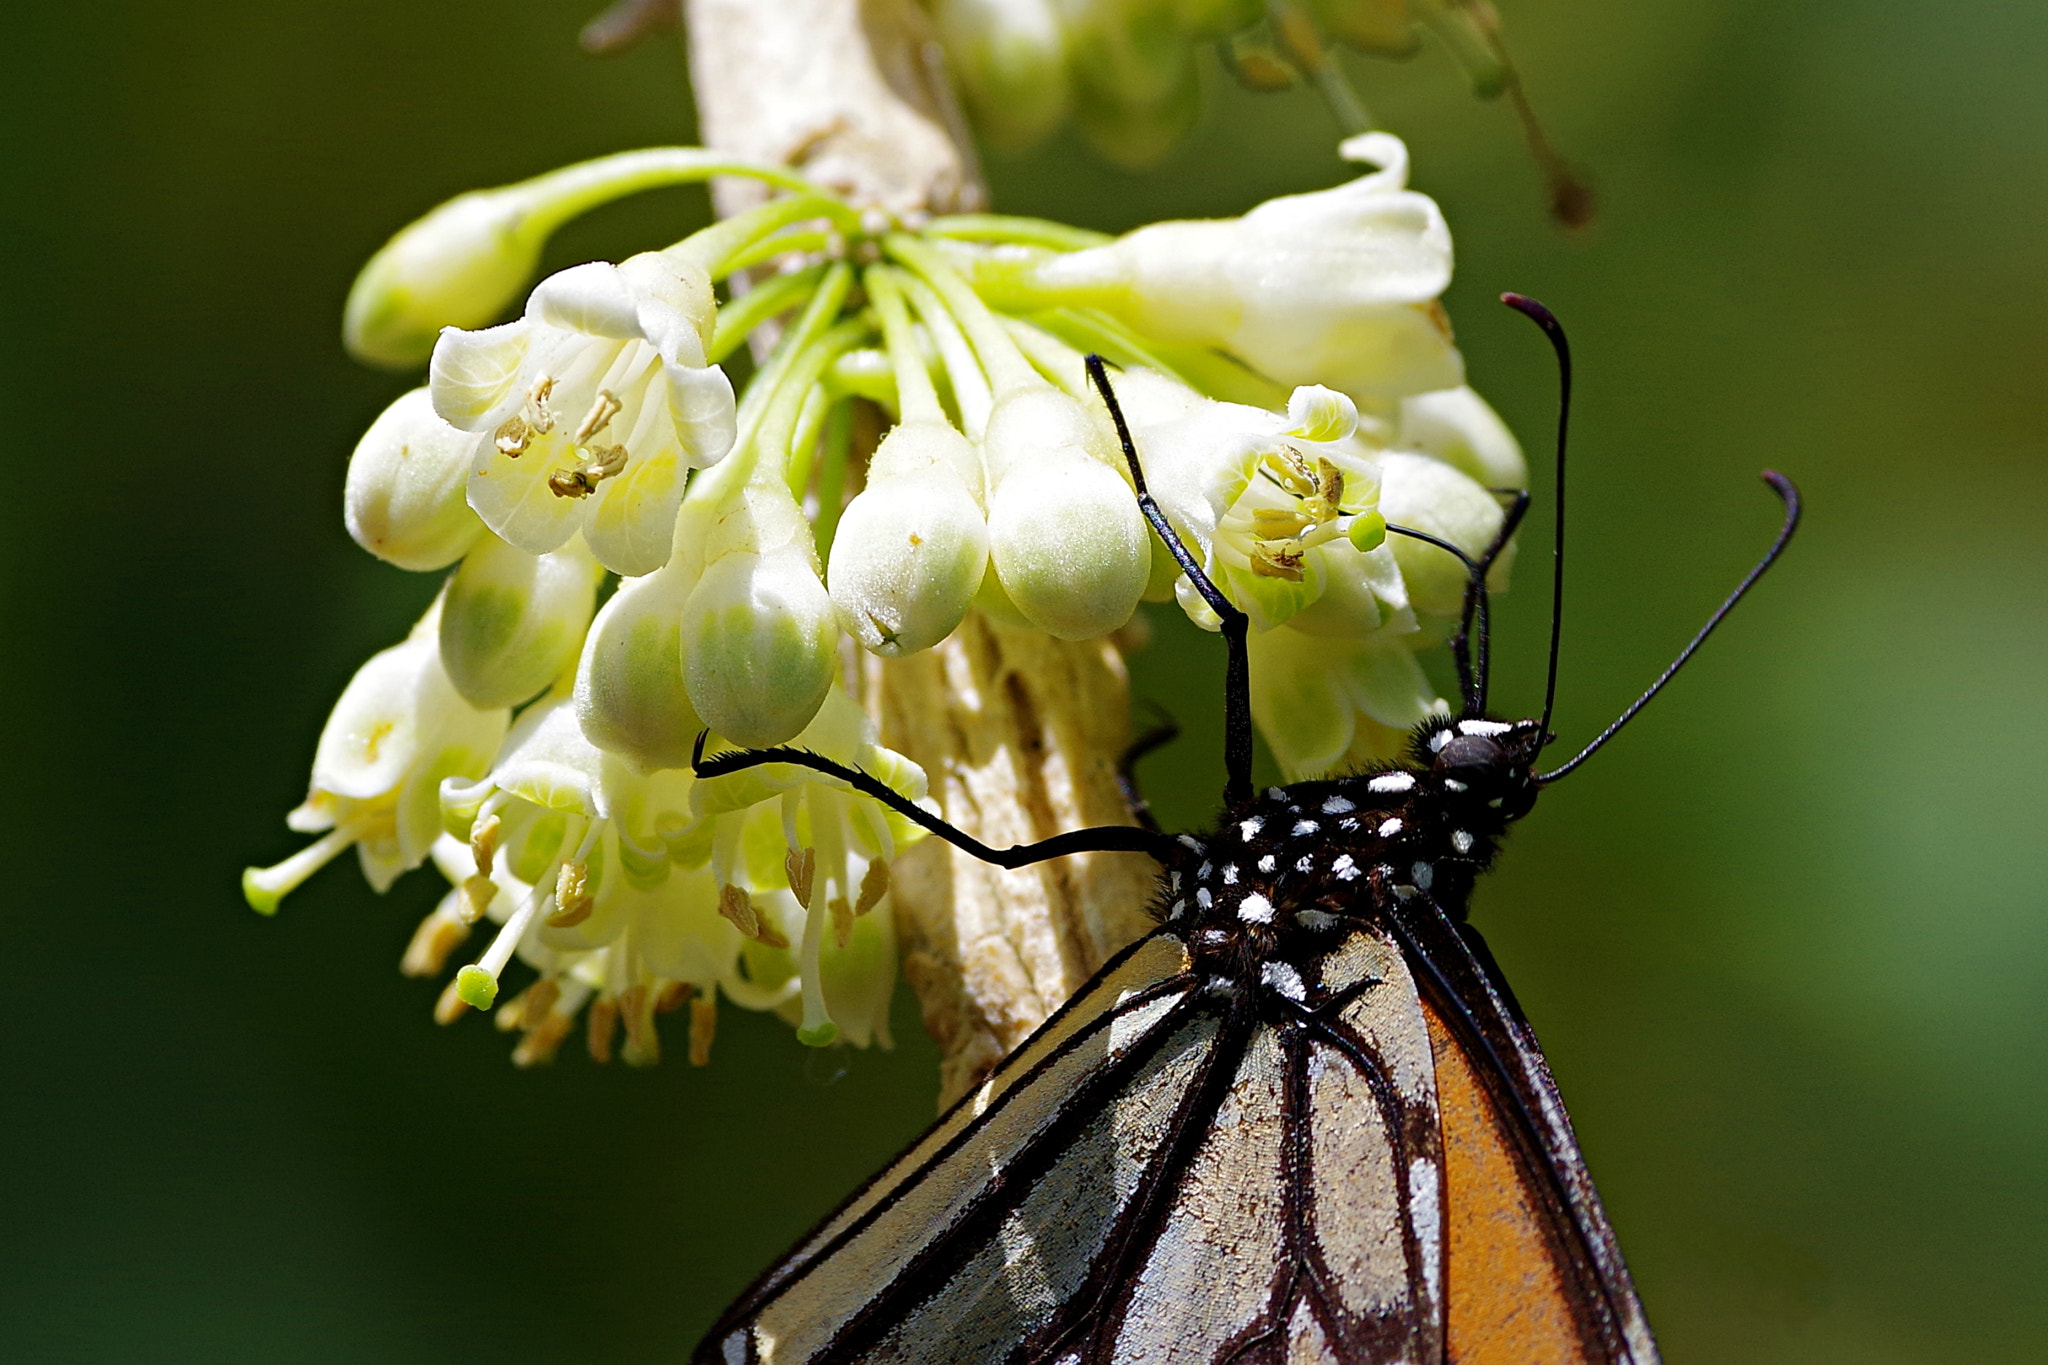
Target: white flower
pixel 399 728
pixel 405 499
pixel 1281 510
pixel 590 410
pixel 1337 287
pixel 782 827
pixel 1431 496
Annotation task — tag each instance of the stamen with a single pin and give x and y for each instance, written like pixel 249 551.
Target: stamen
pixel 703 1025
pixel 601 412
pixel 817 1028
pixel 600 1028
pixel 636 1011
pixel 438 935
pixel 542 1040
pixel 536 411
pixel 842 920
pixel 802 870
pixel 573 901
pixel 451 1006
pixel 483 840
pixel 873 886
pixel 477 894
pixel 478 983
pixel 512 437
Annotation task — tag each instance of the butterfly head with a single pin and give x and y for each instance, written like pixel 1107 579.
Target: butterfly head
pixel 1493 760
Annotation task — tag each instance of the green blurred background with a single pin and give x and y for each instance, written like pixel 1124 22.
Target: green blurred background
pixel 1784 941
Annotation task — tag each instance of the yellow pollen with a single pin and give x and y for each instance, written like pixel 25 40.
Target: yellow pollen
pixel 737 906
pixel 1271 560
pixel 512 437
pixel 438 935
pixel 601 1027
pixel 477 894
pixel 483 842
pixel 573 902
pixel 672 997
pixel 541 1041
pixel 873 887
pixel 451 1006
pixel 802 869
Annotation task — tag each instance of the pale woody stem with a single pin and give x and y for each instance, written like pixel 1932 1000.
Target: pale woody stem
pixel 1020 733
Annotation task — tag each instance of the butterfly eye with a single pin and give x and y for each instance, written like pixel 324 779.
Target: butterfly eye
pixel 1471 759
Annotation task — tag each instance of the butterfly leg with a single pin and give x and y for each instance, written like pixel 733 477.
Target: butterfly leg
pixel 1237 693
pixel 1099 839
pixel 1160 735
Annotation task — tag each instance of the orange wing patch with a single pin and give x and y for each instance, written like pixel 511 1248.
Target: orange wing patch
pixel 1510 1300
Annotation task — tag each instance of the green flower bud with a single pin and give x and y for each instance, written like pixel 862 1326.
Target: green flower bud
pixel 513 622
pixel 758 630
pixel 1011 60
pixel 1459 428
pixel 630 695
pixel 1325 703
pixel 912 549
pixel 1066 539
pixel 1431 496
pixel 460 266
pixel 404 501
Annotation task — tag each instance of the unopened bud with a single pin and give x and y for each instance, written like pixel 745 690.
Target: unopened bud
pixel 912 548
pixel 630 697
pixel 405 498
pixel 758 634
pixel 512 621
pixel 1010 59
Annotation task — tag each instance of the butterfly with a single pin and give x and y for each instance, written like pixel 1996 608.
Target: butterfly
pixel 1302 1120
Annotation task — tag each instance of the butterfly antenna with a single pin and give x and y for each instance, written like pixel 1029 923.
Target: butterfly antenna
pixel 1789 495
pixel 1553 329
pixel 1237 692
pixel 1475 620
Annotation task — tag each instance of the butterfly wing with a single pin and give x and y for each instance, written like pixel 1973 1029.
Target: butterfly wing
pixel 1532 1271
pixel 1161 1174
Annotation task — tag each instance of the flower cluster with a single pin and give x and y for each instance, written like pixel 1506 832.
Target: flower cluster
pixel 1292 386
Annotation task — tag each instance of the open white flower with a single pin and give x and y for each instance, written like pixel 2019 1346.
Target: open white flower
pixel 399 728
pixel 1337 287
pixel 1327 703
pixel 589 411
pixel 789 829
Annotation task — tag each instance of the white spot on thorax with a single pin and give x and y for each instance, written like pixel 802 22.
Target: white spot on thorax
pixel 1461 841
pixel 1305 827
pixel 1392 782
pixel 1255 909
pixel 1266 863
pixel 1230 874
pixel 1484 727
pixel 1438 740
pixel 1249 829
pixel 1192 842
pixel 1338 805
pixel 1390 827
pixel 1345 869
pixel 1424 875
pixel 1452 784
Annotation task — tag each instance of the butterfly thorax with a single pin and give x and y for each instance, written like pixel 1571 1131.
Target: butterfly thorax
pixel 1289 875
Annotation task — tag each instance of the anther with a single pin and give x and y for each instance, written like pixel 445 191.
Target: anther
pixel 601 412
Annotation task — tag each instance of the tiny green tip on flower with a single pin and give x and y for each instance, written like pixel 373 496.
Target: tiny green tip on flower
pixel 262 898
pixel 824 1035
pixel 477 987
pixel 1368 531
